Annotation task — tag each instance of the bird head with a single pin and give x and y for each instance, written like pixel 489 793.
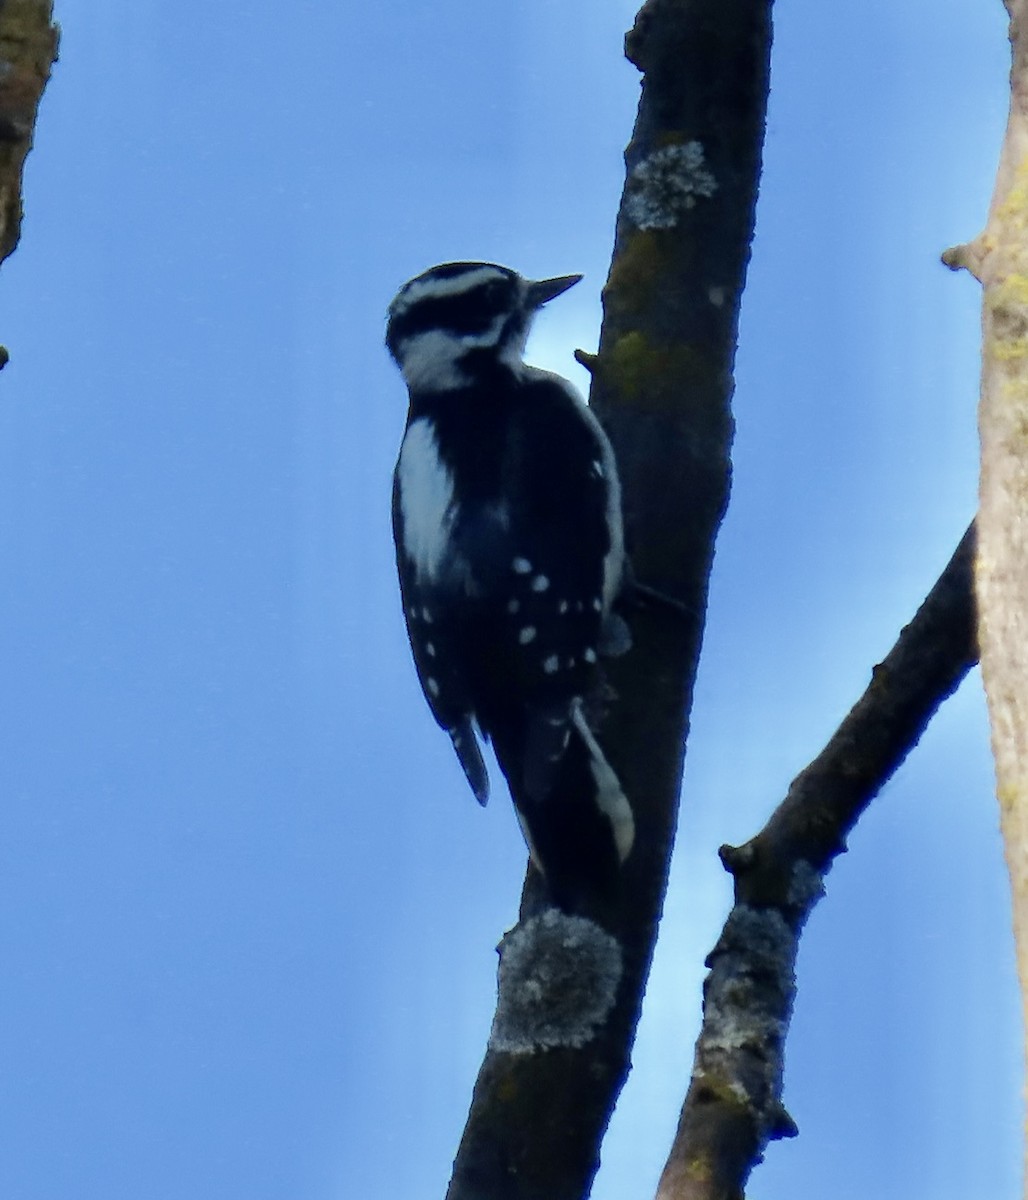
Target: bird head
pixel 456 318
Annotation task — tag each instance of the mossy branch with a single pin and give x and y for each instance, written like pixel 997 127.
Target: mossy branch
pixel 28 49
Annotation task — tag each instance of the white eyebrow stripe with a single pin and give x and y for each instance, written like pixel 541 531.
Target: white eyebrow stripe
pixel 437 289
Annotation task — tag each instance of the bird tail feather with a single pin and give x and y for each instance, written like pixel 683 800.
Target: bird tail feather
pixel 576 819
pixel 469 753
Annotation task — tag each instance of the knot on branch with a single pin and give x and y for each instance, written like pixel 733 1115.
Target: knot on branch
pixel 646 30
pixel 780 1124
pixel 737 860
pixel 967 257
pixel 635 38
pixel 587 360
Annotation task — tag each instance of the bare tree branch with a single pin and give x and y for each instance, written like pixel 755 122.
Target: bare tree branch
pixel 28 48
pixel 734 1104
pixel 662 383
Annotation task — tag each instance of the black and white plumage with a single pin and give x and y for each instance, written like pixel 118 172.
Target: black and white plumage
pixel 508 529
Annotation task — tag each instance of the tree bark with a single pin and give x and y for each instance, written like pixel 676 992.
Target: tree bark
pixel 28 48
pixel 998 257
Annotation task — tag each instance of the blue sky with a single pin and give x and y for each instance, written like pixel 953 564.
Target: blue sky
pixel 247 905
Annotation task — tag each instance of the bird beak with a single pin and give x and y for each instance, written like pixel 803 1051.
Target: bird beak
pixel 542 290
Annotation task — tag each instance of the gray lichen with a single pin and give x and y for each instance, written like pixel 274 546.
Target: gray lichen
pixel 666 184
pixel 558 979
pixel 806 886
pixel 751 981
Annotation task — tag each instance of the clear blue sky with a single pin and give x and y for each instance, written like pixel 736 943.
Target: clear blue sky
pixel 247 904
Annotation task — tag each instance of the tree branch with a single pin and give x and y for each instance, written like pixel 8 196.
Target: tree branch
pixel 662 383
pixel 734 1104
pixel 28 48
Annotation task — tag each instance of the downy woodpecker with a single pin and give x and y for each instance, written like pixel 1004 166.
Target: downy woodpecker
pixel 508 530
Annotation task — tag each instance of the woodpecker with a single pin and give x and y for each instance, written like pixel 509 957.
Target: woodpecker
pixel 509 547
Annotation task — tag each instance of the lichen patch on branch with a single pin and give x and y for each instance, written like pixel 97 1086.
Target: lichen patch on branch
pixel 751 983
pixel 666 185
pixel 558 980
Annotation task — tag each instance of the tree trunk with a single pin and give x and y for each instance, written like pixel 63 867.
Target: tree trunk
pixel 998 257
